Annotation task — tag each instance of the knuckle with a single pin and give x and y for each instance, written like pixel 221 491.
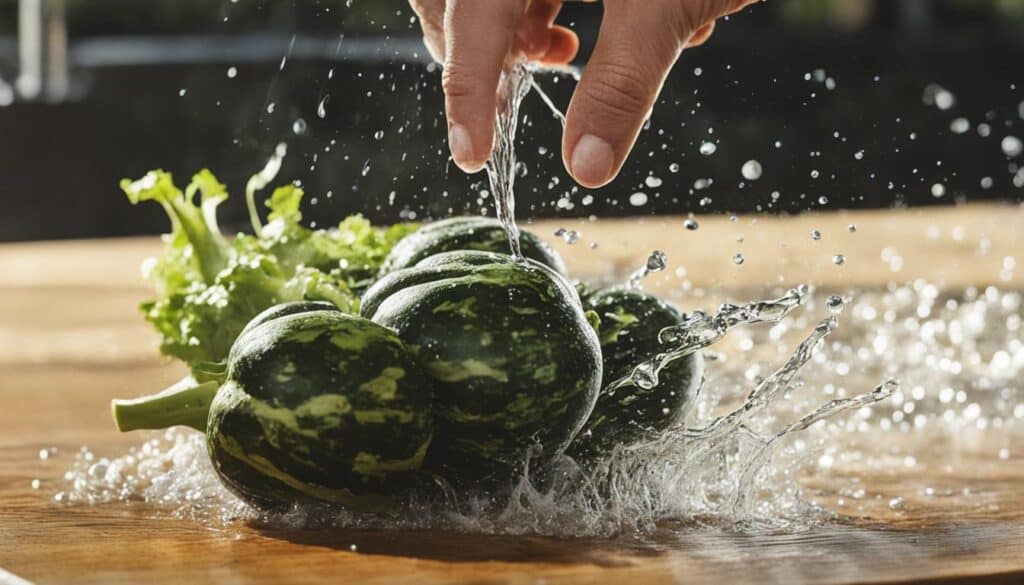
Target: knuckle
pixel 456 81
pixel 618 90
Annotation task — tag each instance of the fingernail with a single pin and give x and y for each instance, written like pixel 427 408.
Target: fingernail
pixel 462 148
pixel 592 161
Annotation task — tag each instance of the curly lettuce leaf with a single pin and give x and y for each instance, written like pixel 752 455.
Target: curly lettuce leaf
pixel 208 287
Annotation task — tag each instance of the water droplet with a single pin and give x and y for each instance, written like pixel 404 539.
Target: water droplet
pixel 852 227
pixel 652 182
pixel 835 304
pixel 839 259
pixel 270 107
pixel 691 224
pixel 823 200
pixel 938 190
pixel 959 125
pixel 299 126
pixel 815 174
pixel 751 170
pixel 378 135
pixel 896 503
pixel 674 167
pixel 815 235
pixel 1012 146
pixel 638 199
pixel 657 261
pixel 321 108
pixel 859 155
pixel 986 182
pixel 738 259
pixel 366 168
pixel 984 130
pixel 570 236
pixel 708 148
pixel 44 454
pixel 697 72
pixel 182 92
pixel 35 484
pixel 232 72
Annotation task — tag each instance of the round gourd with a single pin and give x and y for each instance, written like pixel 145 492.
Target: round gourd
pixel 316 405
pixel 513 360
pixel 467 233
pixel 630 323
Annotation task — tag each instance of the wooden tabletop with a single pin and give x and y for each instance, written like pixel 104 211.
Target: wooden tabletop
pixel 71 338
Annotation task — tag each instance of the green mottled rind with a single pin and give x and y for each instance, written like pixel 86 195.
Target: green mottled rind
pixel 285 309
pixel 630 323
pixel 514 361
pixel 320 406
pixel 467 233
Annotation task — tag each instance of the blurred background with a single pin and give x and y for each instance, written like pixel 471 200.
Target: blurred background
pixel 838 103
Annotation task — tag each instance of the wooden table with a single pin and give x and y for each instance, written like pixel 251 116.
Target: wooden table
pixel 71 338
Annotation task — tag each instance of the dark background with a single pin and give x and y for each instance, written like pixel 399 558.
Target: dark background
pixel 826 79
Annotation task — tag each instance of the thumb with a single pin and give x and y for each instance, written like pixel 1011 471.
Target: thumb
pixel 636 47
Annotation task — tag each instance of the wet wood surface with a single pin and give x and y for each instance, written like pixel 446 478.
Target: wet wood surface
pixel 71 338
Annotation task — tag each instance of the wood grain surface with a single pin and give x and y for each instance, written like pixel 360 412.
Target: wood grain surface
pixel 71 338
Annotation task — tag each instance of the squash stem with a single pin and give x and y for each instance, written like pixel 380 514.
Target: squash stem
pixel 186 403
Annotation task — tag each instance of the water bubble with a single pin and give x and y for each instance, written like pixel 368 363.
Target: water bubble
pixel 638 199
pixel 839 259
pixel 652 182
pixel 232 72
pixel 815 235
pixel 815 174
pixel 378 135
pixel 1012 146
pixel 708 148
pixel 938 190
pixel 691 224
pixel 674 167
pixel 299 126
pixel 751 170
pixel 959 125
pixel 835 304
pixel 321 108
pixel 738 259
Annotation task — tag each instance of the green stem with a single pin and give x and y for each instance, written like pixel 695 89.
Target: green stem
pixel 186 403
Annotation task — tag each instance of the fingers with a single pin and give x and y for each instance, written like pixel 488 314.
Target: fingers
pixel 636 47
pixel 478 37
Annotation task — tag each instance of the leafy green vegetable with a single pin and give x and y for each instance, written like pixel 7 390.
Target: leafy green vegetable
pixel 208 286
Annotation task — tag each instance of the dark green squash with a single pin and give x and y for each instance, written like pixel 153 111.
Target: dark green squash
pixel 316 405
pixel 467 233
pixel 630 323
pixel 513 360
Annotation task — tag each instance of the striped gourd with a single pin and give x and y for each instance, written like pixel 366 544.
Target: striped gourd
pixel 467 233
pixel 630 323
pixel 514 361
pixel 316 405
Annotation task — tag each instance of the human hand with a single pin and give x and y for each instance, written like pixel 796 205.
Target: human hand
pixel 638 43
